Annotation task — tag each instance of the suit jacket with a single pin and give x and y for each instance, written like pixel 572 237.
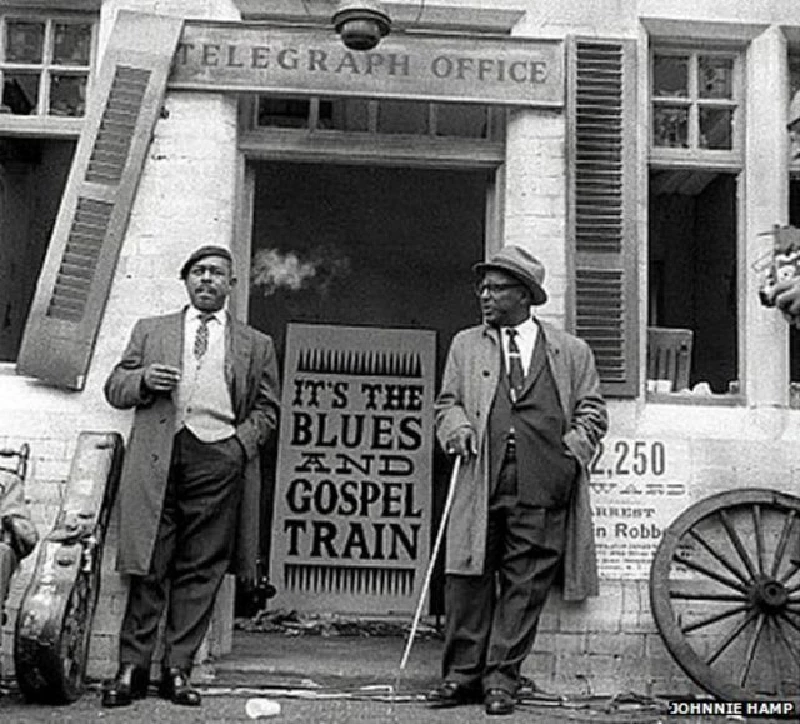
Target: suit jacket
pixel 469 384
pixel 251 373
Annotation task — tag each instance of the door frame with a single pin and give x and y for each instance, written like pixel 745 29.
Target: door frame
pixel 370 149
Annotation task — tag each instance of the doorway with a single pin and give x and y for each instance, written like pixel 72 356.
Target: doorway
pixel 361 245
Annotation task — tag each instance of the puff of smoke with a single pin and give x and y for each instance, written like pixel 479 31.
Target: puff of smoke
pixel 273 270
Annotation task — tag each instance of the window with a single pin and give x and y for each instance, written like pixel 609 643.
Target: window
pixel 693 266
pixel 695 101
pixel 359 115
pixel 45 65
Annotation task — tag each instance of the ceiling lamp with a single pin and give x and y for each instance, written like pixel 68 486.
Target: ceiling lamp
pixel 361 23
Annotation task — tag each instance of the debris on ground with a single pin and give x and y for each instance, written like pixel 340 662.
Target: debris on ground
pixel 293 623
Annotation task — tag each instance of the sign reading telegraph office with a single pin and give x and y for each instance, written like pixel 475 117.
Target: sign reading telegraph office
pixel 261 58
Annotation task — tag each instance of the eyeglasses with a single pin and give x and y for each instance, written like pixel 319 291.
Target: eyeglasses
pixel 493 289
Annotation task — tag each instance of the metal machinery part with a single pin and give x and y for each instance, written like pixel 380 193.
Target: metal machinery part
pixel 8 558
pixel 725 594
pixel 51 639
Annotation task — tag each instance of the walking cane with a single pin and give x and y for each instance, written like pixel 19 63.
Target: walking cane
pixel 426 583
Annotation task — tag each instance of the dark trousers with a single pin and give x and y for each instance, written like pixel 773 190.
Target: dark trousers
pixel 492 618
pixel 192 552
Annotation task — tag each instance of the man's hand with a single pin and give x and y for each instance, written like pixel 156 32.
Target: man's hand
pixel 462 442
pixel 161 378
pixel 787 298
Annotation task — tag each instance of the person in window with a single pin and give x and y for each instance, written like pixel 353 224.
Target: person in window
pixel 520 404
pixel 205 390
pixel 786 293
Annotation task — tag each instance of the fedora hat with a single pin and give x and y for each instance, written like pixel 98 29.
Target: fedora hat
pixel 202 253
pixel 520 264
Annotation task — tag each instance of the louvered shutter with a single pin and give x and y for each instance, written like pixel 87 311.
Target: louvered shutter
pixel 602 131
pixel 73 286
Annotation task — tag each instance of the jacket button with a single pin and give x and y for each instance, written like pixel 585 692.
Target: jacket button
pixel 486 373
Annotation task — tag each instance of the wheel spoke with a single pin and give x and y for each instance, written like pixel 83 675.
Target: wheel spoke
pixel 795 626
pixel 777 675
pixel 729 638
pixel 737 542
pixel 686 596
pixel 794 654
pixel 793 570
pixel 718 556
pixel 700 568
pixel 715 618
pixel 784 539
pixel 751 648
pixel 759 538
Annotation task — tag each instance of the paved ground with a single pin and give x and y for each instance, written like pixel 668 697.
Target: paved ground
pixel 335 679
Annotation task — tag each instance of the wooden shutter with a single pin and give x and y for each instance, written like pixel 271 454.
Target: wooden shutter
pixel 125 102
pixel 601 148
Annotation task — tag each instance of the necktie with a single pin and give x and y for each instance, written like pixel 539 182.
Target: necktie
pixel 201 338
pixel 516 375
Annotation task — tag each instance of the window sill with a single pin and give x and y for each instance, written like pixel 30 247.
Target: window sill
pixel 682 398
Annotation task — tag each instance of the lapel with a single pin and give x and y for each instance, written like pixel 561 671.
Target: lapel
pixel 557 353
pixel 172 339
pixel 238 350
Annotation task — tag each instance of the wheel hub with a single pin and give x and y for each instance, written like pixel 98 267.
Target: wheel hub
pixel 769 594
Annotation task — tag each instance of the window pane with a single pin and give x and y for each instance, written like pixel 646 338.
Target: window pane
pixel 403 117
pixel 716 77
pixel 283 112
pixel 72 44
pixel 671 76
pixel 67 95
pixel 466 121
pixel 348 114
pixel 24 41
pixel 20 93
pixel 716 128
pixel 670 126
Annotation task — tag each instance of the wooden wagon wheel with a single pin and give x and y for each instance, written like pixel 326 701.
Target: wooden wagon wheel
pixel 725 594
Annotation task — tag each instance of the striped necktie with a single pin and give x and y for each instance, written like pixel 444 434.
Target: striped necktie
pixel 201 338
pixel 516 375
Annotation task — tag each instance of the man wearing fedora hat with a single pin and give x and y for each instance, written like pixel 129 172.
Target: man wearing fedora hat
pixel 787 292
pixel 205 391
pixel 520 404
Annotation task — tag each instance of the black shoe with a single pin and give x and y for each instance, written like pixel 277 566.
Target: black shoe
pixel 451 693
pixel 499 702
pixel 130 683
pixel 175 686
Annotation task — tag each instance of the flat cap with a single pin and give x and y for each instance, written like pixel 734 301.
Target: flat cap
pixel 202 253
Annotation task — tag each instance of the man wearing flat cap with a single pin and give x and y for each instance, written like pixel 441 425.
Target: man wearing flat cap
pixel 520 404
pixel 205 391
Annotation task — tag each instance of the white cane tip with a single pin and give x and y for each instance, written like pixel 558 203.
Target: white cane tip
pixel 262 708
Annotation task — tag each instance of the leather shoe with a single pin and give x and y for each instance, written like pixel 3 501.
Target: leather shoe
pixel 130 683
pixel 499 701
pixel 451 693
pixel 175 686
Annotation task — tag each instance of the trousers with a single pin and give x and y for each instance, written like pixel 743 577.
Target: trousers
pixel 492 618
pixel 192 553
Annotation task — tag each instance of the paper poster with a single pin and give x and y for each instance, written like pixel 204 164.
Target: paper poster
pixel 351 528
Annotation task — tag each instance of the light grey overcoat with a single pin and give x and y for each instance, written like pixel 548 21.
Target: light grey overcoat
pixel 470 380
pixel 251 373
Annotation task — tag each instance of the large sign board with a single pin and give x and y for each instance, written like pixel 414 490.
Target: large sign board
pixel 638 487
pixel 351 529
pixel 311 61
